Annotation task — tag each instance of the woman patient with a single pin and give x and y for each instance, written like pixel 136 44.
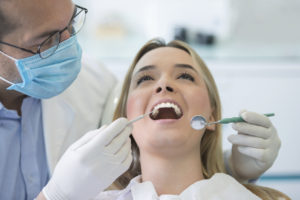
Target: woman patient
pixel 171 160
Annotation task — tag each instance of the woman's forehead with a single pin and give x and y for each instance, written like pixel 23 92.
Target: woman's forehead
pixel 164 56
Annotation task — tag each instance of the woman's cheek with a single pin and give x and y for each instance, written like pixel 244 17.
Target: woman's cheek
pixel 201 102
pixel 135 105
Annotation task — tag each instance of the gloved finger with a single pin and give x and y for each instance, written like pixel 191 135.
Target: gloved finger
pixel 111 131
pixel 122 154
pixel 86 138
pixel 258 154
pixel 118 141
pixel 256 118
pixel 127 162
pixel 248 141
pixel 253 130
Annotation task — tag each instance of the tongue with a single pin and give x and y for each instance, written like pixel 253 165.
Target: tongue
pixel 166 113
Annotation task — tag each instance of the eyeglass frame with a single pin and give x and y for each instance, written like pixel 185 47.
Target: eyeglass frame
pixel 60 32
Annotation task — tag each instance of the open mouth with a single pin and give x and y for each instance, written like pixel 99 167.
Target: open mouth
pixel 166 110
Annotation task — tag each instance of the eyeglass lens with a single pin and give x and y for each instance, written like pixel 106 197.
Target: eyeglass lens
pixel 52 43
pixel 78 21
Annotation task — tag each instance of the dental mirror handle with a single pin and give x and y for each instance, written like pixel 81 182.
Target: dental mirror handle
pixel 238 119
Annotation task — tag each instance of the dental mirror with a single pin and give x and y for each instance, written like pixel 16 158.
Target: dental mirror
pixel 199 122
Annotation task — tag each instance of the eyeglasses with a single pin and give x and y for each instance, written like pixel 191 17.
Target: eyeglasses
pixel 52 42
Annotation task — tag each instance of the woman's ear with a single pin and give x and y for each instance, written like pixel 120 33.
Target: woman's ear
pixel 211 127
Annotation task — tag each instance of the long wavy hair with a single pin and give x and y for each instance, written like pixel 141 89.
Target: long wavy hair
pixel 211 142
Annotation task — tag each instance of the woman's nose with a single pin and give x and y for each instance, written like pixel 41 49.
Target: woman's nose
pixel 164 89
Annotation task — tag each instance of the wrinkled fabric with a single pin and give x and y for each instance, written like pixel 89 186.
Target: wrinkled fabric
pixel 23 165
pixel 220 186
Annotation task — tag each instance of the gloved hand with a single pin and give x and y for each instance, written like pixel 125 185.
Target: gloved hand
pixel 254 148
pixel 92 163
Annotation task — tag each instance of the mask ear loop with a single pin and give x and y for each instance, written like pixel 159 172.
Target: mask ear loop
pixel 8 56
pixel 3 79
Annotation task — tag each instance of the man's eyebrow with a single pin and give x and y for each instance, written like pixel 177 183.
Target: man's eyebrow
pixel 145 68
pixel 186 66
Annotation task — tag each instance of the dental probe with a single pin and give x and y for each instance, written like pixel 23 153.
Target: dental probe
pixel 138 118
pixel 198 122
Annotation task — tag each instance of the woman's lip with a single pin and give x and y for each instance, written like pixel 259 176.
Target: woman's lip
pixel 166 101
pixel 166 121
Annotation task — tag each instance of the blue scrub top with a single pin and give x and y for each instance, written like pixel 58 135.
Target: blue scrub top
pixel 23 163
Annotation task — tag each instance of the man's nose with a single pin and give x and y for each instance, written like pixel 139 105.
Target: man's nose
pixel 65 35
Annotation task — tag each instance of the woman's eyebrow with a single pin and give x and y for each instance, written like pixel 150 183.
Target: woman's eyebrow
pixel 186 66
pixel 145 68
pixel 151 67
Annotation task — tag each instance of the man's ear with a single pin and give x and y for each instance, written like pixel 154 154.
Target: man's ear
pixel 213 126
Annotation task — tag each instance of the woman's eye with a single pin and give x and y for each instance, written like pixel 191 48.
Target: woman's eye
pixel 144 78
pixel 186 76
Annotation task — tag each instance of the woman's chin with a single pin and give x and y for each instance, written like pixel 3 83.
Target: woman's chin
pixel 166 139
pixel 165 136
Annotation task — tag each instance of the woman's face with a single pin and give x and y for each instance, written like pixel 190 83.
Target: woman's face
pixel 167 82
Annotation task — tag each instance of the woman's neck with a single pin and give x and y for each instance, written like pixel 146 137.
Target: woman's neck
pixel 171 175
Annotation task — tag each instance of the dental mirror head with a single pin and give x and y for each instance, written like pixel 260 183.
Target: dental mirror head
pixel 198 122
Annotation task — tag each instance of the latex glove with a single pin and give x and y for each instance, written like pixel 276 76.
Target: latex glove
pixel 92 163
pixel 255 147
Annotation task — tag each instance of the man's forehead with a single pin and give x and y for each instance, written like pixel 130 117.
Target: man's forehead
pixel 36 17
pixel 52 10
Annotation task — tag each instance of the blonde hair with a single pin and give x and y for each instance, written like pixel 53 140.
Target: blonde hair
pixel 211 143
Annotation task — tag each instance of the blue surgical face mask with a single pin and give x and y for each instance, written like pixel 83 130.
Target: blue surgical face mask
pixel 45 78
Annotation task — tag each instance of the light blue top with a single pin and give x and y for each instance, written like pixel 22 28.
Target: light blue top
pixel 23 164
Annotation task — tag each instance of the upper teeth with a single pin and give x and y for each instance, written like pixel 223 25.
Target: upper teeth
pixel 166 105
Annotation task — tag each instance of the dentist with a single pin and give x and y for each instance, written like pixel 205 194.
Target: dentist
pixel 49 96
